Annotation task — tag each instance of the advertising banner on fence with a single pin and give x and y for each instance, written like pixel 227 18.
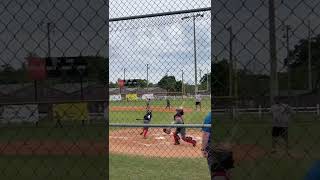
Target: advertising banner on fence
pixel 71 111
pixel 132 97
pixel 147 96
pixel 115 97
pixel 20 113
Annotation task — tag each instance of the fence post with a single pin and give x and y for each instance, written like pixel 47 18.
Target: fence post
pixel 318 110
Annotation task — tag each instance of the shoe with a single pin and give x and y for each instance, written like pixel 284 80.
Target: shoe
pixel 194 143
pixel 177 143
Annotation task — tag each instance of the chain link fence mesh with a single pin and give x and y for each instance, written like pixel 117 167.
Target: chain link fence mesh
pixel 261 50
pixel 53 89
pixel 160 60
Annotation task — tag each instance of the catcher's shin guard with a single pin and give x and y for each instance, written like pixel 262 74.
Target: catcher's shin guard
pixel 176 138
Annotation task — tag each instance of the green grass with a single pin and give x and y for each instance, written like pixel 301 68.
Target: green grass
pixel 123 167
pixel 138 168
pixel 271 168
pixel 158 117
pixel 53 167
pixel 189 103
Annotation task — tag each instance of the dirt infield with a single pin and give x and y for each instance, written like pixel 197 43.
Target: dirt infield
pixel 53 148
pixel 142 108
pixel 159 144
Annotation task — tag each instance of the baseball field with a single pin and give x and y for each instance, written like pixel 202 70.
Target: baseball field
pixel 249 137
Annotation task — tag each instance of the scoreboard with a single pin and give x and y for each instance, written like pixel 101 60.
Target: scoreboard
pixel 66 66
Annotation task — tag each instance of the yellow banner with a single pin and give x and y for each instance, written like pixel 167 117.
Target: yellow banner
pixel 71 111
pixel 132 97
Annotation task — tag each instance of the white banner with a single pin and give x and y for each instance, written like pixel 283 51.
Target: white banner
pixel 115 97
pixel 147 96
pixel 20 113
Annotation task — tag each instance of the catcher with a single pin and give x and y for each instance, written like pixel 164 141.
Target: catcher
pixel 178 119
pixel 146 120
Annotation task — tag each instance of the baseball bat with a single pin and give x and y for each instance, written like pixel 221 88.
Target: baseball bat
pixel 139 119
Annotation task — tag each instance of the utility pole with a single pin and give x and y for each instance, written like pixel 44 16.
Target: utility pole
pixel 309 57
pixel 235 79
pixel 194 47
pixel 230 61
pixel 182 86
pixel 200 71
pixel 49 28
pixel 124 73
pixel 287 29
pixel 147 77
pixel 273 53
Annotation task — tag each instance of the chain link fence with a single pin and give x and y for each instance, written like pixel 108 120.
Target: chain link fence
pixel 262 50
pixel 53 69
pixel 160 61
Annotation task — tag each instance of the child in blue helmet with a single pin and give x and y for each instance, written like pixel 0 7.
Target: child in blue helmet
pixel 314 172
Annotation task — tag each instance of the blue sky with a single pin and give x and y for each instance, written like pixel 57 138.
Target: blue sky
pixel 165 43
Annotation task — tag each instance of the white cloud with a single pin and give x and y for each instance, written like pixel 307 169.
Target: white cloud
pixel 120 8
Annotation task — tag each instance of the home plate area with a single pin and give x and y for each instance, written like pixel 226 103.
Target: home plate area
pixel 128 141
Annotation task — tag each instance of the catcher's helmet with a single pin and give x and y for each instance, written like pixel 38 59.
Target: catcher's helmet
pixel 179 108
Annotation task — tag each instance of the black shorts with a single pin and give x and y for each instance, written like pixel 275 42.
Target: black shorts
pixel 280 132
pixel 198 103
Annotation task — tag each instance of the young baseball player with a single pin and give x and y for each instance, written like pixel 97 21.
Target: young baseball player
pixel 168 103
pixel 280 114
pixel 146 120
pixel 198 102
pixel 178 119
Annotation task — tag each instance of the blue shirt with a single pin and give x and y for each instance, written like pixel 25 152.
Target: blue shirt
pixel 207 120
pixel 314 172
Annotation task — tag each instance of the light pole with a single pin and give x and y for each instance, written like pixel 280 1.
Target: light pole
pixel 287 29
pixel 49 28
pixel 309 57
pixel 182 87
pixel 193 17
pixel 273 52
pixel 147 77
pixel 124 73
pixel 200 73
pixel 81 69
pixel 231 35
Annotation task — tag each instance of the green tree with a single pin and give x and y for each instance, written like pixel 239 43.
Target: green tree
pixel 220 74
pixel 205 79
pixel 97 68
pixel 298 63
pixel 142 83
pixel 113 85
pixel 168 83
